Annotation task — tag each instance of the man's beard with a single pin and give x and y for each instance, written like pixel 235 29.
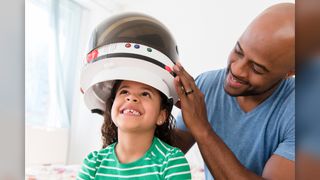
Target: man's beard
pixel 249 92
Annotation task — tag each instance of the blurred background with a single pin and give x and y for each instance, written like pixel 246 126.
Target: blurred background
pixel 59 130
pixel 307 89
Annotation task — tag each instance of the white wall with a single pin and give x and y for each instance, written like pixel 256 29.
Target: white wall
pixel 45 145
pixel 205 30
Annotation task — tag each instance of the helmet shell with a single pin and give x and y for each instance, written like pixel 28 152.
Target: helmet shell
pixel 130 46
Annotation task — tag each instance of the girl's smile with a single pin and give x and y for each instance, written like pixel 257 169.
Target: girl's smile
pixel 136 107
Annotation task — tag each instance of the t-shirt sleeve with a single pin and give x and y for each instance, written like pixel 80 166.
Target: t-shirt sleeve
pixel 286 148
pixel 88 169
pixel 177 166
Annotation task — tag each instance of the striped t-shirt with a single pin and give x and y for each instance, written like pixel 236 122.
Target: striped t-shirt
pixel 161 161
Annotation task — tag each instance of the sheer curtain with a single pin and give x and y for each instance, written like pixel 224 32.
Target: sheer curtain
pixel 52 34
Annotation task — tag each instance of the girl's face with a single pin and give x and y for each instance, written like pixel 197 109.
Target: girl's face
pixel 136 107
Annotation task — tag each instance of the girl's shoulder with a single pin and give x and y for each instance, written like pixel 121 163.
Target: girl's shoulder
pixel 98 155
pixel 166 151
pixel 93 161
pixel 107 150
pixel 174 163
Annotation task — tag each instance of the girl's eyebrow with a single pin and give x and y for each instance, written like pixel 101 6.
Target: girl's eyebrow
pixel 142 88
pixel 124 86
pixel 147 88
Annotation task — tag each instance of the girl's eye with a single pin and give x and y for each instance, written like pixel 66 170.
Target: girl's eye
pixel 146 94
pixel 123 91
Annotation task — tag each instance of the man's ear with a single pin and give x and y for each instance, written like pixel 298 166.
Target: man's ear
pixel 162 117
pixel 291 73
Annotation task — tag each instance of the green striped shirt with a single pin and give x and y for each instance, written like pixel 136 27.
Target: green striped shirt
pixel 161 161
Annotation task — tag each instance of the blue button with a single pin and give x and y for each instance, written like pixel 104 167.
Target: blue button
pixel 136 46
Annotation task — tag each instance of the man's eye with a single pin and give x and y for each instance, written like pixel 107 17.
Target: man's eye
pixel 257 69
pixel 238 52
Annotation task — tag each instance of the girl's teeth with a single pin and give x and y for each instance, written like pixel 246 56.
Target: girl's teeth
pixel 131 111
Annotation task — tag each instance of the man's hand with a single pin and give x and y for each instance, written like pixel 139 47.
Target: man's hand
pixel 192 103
pixel 220 160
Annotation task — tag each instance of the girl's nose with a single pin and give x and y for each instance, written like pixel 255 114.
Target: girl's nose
pixel 132 98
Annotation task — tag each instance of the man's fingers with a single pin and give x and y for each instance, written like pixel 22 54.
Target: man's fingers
pixel 179 87
pixel 185 73
pixel 184 81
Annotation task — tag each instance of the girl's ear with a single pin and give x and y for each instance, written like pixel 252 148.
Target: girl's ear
pixel 162 117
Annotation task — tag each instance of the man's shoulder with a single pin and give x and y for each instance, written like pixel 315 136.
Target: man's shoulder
pixel 212 73
pixel 287 92
pixel 286 100
pixel 210 78
pixel 290 84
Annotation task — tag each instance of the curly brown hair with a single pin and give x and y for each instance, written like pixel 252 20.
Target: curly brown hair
pixel 110 131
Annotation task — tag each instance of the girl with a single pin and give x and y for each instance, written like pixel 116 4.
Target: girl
pixel 136 136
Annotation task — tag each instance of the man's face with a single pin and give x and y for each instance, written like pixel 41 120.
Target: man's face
pixel 262 57
pixel 246 77
pixel 253 71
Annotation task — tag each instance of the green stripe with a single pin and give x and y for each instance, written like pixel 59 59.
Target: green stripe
pixel 168 162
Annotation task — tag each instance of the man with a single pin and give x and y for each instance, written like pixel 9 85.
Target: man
pixel 242 117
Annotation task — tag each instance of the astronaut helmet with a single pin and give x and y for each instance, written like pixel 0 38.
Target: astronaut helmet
pixel 129 46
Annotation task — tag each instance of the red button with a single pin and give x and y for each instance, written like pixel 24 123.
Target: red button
pixel 168 69
pixel 128 45
pixel 92 55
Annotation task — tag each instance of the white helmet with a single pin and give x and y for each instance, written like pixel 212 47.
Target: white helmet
pixel 132 47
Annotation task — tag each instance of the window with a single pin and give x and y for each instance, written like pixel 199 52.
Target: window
pixel 51 52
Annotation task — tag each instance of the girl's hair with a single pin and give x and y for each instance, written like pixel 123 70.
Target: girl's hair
pixel 110 131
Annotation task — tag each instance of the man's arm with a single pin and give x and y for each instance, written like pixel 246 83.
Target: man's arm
pixel 183 140
pixel 278 167
pixel 220 160
pixel 223 164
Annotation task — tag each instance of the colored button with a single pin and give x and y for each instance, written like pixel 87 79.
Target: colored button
pixel 92 55
pixel 128 45
pixel 136 46
pixel 149 49
pixel 168 69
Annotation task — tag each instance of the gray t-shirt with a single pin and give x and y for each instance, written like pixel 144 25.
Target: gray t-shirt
pixel 256 135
